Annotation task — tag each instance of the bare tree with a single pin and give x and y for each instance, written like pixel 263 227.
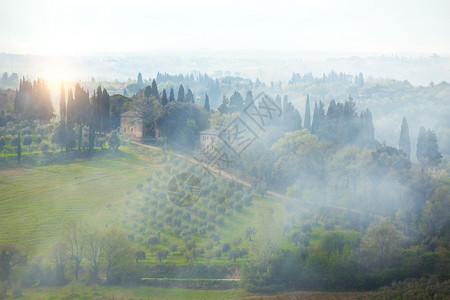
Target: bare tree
pixel 59 255
pixel 76 245
pixel 94 251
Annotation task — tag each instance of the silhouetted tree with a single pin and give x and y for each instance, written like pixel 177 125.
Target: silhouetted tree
pixel 171 95
pixel 189 96
pixel 155 92
pixel 223 108
pixel 181 97
pixel 139 80
pixel 404 143
pixel 148 91
pixel 248 98
pixel 236 102
pixel 206 106
pixel 307 122
pixel 164 99
pixel 62 102
pixel 427 148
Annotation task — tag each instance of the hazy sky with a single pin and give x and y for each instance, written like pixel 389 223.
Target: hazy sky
pixel 82 26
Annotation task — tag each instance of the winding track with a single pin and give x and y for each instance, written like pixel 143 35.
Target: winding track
pixel 239 180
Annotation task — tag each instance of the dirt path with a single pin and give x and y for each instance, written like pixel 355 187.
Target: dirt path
pixel 239 180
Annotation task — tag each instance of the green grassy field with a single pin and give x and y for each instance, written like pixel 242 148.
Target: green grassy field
pixel 36 202
pixel 77 291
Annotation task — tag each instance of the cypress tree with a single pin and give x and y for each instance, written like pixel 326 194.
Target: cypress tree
pixel 248 98
pixel 70 115
pixel 433 157
pixel 206 106
pixel 155 92
pixel 148 91
pixel 139 80
pixel 421 144
pixel 404 143
pixel 164 99
pixel 236 102
pixel 181 93
pixel 189 96
pixel 106 103
pixel 62 102
pixel 315 119
pixel 171 95
pixel 427 148
pixel 307 123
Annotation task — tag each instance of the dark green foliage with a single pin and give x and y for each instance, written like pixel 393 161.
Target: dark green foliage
pixel 387 158
pixel 118 104
pixel 139 79
pixel 148 91
pixel 291 117
pixel 181 96
pixel 181 122
pixel 33 101
pixel 155 92
pixel 189 96
pixel 171 95
pixel 236 102
pixel 164 99
pixel 404 143
pixel 114 140
pixel 248 98
pixel 223 108
pixel 427 148
pixel 206 105
pixel 307 123
pixel 62 103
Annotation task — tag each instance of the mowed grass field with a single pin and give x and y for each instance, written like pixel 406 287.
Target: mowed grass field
pixel 36 202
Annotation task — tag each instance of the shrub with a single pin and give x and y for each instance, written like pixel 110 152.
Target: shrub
pixel 218 253
pixel 220 221
pixel 248 200
pixel 3 289
pixel 44 147
pixel 27 140
pixel 307 227
pixel 38 139
pixel 14 141
pixel 226 247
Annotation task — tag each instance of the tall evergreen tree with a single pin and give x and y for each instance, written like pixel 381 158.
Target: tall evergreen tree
pixel 291 117
pixel 248 98
pixel 206 106
pixel 236 102
pixel 171 95
pixel 139 80
pixel 164 99
pixel 70 115
pixel 181 97
pixel 361 80
pixel 427 148
pixel 62 102
pixel 307 122
pixel 105 111
pixel 155 92
pixel 404 143
pixel 148 91
pixel 421 144
pixel 189 96
pixel 223 108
